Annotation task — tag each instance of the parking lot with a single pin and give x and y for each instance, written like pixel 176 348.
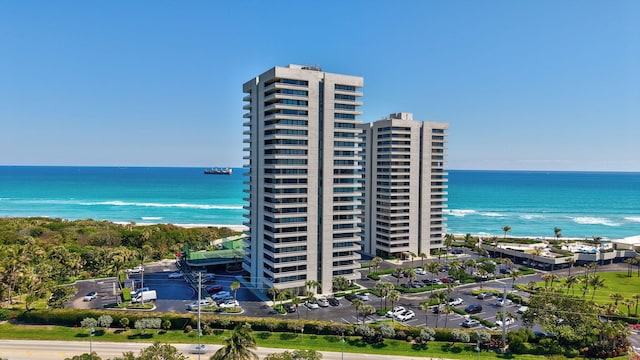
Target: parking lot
pixel 174 295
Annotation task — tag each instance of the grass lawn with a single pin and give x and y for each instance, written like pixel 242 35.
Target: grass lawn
pixel 614 282
pixel 263 339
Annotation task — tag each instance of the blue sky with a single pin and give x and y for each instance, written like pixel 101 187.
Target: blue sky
pixel 540 85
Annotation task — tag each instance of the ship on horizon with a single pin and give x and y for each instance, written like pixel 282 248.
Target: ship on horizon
pixel 218 171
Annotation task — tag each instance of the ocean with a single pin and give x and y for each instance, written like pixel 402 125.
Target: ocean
pixel 532 203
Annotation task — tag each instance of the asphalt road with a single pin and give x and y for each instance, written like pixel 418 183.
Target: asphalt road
pixel 54 350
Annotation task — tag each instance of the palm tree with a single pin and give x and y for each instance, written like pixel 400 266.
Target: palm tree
pixel 596 282
pixel 375 262
pixel 616 297
pixel 394 297
pixel 571 260
pixel 630 262
pixel 425 307
pixel 636 297
pixel 434 268
pixel 557 233
pixel 629 304
pixel 436 297
pixel 234 287
pixel 357 303
pixel 239 346
pixel 422 257
pixel 571 281
pixel 312 285
pixel 515 275
pixel 366 311
pixel 506 229
pixel 412 255
pixel 274 291
pixel 296 301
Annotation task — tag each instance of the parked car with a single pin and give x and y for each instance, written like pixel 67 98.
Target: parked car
pixel 522 309
pixel 406 315
pixel 194 305
pixel 175 275
pixel 135 270
pixel 455 301
pixel 229 304
pixel 363 296
pixel 420 271
pixel 473 309
pixel 398 274
pixel 290 308
pixel 323 302
pixel 436 282
pixel 395 311
pixel 213 289
pixel 90 296
pixel 312 305
pixel 508 321
pixel 438 308
pixel 198 349
pixel 220 295
pixel 416 284
pixel 484 295
pixel 503 302
pixel 469 323
pixel 333 301
pixel 505 271
pixel 446 280
pixel 456 251
pixel 350 297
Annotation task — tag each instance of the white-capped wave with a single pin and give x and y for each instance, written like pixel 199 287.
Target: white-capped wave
pixel 459 212
pixel 163 205
pixel 492 214
pixel 588 220
pixel 151 218
pixel 530 217
pixel 633 218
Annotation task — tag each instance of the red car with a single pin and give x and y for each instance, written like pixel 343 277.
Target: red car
pixel 446 280
pixel 213 289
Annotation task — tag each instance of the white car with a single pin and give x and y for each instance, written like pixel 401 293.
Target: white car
pixel 503 302
pixel 312 305
pixel 522 309
pixel 323 302
pixel 194 305
pixel 469 323
pixel 90 296
pixel 507 322
pixel 363 296
pixel 420 271
pixel 455 302
pixel 175 275
pixel 229 304
pixel 198 349
pixel 406 315
pixel 395 311
pixel 135 270
pixel 220 295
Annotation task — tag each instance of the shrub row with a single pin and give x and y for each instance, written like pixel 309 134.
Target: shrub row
pixel 73 317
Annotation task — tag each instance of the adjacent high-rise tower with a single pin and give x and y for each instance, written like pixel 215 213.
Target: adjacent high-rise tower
pixel 303 187
pixel 405 186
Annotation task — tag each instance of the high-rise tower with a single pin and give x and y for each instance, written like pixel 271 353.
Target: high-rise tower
pixel 405 186
pixel 303 182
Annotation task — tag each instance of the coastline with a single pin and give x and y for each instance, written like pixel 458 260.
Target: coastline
pixel 239 228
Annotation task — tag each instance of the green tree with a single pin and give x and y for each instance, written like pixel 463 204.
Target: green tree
pixel 557 232
pixel 234 287
pixel 506 229
pixel 159 351
pixel 240 346
pixel 295 355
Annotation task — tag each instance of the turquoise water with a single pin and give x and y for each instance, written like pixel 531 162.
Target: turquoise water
pixel 582 204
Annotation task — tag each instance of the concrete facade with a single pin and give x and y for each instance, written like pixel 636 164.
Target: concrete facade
pixel 302 148
pixel 405 186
